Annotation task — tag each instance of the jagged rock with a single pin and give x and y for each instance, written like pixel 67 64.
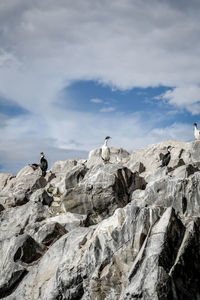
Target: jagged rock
pixel 67 175
pixel 4 179
pixel 42 196
pixel 150 157
pixel 15 254
pixel 107 252
pixel 49 233
pixel 27 250
pixel 117 155
pixel 60 168
pixel 14 220
pixel 185 273
pixel 149 276
pixel 75 176
pixel 103 189
pixel 1 208
pixel 68 220
pixel 182 194
pixel 18 189
pixel 130 229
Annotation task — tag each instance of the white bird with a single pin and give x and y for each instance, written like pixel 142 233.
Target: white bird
pixel 105 150
pixel 196 132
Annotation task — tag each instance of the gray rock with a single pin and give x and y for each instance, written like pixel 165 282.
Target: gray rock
pixel 117 155
pixel 1 208
pixel 42 196
pixel 49 233
pixel 18 190
pixel 16 254
pixel 125 230
pixel 4 179
pixel 103 189
pixel 66 174
pixel 14 220
pixel 88 262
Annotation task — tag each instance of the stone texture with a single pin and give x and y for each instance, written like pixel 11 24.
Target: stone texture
pixel 103 189
pixel 4 179
pixel 18 190
pixel 117 155
pixel 125 230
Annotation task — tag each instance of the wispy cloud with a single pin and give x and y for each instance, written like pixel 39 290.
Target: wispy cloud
pixel 95 100
pixel 46 45
pixel 108 109
pixel 184 97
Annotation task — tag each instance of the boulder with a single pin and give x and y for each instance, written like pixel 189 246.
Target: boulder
pixel 124 230
pixel 151 157
pixel 42 196
pixel 107 252
pixel 182 194
pixel 15 254
pixel 49 233
pixel 18 190
pixel 4 179
pixel 67 174
pixel 117 155
pixel 149 275
pixel 103 189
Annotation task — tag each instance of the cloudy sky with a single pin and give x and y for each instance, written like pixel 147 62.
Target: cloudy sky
pixel 74 71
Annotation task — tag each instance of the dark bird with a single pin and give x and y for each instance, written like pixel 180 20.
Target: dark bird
pixel 34 166
pixel 43 164
pixel 166 158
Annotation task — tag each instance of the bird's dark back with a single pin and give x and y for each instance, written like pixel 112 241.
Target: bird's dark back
pixel 43 164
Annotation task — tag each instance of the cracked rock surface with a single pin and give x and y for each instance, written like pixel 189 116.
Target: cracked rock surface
pixel 124 230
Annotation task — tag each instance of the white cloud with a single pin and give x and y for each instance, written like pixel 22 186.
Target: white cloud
pixel 123 43
pixel 95 100
pixel 108 109
pixel 46 45
pixel 184 97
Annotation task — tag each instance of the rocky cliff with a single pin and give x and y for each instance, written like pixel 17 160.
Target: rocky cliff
pixel 125 230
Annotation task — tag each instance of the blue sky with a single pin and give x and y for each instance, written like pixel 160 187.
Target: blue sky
pixel 73 72
pixel 94 97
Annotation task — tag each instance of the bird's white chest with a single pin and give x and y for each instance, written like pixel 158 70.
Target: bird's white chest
pixel 105 152
pixel 197 134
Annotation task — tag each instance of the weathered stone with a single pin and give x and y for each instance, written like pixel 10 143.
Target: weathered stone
pixel 14 220
pixel 149 276
pixel 67 174
pixel 15 254
pixel 27 250
pixel 185 273
pixel 117 156
pixel 103 189
pixel 49 233
pixel 182 194
pixel 18 190
pixel 4 179
pixel 75 176
pixel 1 208
pixel 144 240
pixel 107 252
pixel 42 196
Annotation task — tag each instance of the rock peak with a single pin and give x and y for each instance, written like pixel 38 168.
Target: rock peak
pixel 89 230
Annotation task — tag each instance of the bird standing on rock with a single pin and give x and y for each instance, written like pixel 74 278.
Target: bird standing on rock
pixel 43 164
pixel 166 158
pixel 196 132
pixel 105 154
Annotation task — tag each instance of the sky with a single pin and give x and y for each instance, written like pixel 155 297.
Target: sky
pixel 74 71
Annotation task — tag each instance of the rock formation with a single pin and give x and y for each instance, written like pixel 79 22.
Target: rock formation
pixel 125 230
